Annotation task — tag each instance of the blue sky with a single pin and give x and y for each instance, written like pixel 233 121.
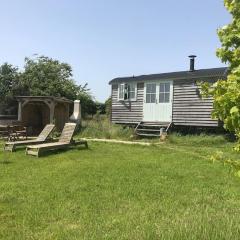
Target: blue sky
pixel 104 39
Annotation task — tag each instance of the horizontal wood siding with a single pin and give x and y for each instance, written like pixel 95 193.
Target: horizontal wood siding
pixel 189 109
pixel 126 111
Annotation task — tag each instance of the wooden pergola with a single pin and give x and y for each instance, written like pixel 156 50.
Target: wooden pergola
pixel 37 111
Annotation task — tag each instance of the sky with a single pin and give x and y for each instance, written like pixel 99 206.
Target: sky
pixel 104 39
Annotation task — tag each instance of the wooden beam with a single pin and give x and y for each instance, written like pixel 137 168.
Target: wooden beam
pixel 20 111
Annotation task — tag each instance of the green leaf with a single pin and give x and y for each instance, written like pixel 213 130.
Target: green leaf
pixel 237 173
pixel 234 110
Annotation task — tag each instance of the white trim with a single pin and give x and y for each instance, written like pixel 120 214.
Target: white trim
pixel 145 92
pixel 158 111
pixel 135 90
pixel 164 92
pixel 120 99
pixel 123 85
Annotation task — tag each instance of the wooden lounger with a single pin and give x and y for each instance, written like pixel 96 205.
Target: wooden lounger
pixel 11 146
pixel 64 142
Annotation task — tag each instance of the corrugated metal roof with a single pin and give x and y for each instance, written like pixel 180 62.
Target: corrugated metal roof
pixel 210 72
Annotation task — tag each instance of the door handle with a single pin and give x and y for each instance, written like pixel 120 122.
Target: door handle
pixel 156 100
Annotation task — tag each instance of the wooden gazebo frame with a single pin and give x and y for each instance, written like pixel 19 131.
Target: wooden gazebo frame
pixel 51 103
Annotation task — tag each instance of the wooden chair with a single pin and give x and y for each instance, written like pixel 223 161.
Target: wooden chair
pixel 15 132
pixel 20 131
pixel 11 146
pixel 64 142
pixel 4 132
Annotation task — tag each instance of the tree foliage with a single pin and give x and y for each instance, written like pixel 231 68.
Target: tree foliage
pixel 108 106
pixel 9 78
pixel 226 93
pixel 43 76
pixel 87 103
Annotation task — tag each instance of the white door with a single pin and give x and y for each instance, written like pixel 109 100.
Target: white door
pixel 157 104
pixel 150 98
pixel 164 108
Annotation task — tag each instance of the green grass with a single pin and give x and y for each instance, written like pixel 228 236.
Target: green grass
pixel 114 191
pixel 202 139
pixel 101 127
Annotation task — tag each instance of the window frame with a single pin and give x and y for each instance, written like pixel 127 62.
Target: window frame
pixel 164 93
pixel 150 93
pixel 127 99
pixel 119 89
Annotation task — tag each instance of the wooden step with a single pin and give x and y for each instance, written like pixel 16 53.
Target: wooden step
pixel 154 126
pixel 151 129
pixel 148 135
pixel 157 124
pixel 148 130
pixel 154 122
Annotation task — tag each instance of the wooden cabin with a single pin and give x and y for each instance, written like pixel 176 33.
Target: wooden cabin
pixel 165 99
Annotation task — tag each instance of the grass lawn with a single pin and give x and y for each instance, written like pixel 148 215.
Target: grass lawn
pixel 114 191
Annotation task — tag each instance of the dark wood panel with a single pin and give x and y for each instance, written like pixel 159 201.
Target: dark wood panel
pixel 197 124
pixel 206 103
pixel 189 108
pixel 197 111
pixel 126 111
pixel 192 118
pixel 192 99
pixel 187 115
pixel 195 120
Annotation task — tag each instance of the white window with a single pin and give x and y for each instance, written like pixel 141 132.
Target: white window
pixel 164 93
pixel 121 92
pixel 150 92
pixel 127 91
pixel 132 91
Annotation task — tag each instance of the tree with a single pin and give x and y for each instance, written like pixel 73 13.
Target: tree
pixel 45 76
pixel 9 83
pixel 226 93
pixel 9 87
pixel 101 108
pixel 108 106
pixel 88 104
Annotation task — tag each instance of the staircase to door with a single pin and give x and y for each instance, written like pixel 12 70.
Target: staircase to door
pixel 152 129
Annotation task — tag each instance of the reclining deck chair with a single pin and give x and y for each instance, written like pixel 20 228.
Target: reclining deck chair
pixel 11 146
pixel 64 142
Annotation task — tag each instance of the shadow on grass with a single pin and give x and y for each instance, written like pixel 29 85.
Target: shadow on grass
pixel 231 137
pixel 5 162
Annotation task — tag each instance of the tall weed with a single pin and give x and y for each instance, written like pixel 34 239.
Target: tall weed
pixel 101 127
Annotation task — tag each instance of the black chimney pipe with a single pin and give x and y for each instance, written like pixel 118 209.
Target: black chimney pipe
pixel 192 62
